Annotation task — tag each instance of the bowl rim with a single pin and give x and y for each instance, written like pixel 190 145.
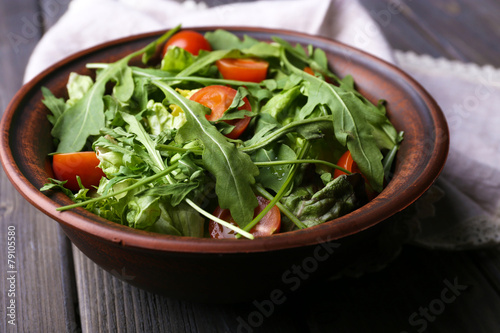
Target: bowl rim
pixel 125 236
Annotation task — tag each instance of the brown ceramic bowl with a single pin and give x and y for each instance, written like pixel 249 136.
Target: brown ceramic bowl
pixel 231 270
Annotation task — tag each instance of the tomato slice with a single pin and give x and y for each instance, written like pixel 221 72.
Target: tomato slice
pixel 83 164
pixel 346 162
pixel 249 70
pixel 268 225
pixel 189 40
pixel 309 70
pixel 219 99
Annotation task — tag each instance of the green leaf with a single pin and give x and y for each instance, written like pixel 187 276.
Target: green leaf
pixel 159 118
pixel 316 59
pixel 339 197
pixel 116 160
pixel 232 112
pixel 181 220
pixel 57 106
pixel 143 137
pixel 206 59
pixel 86 117
pixel 176 59
pixel 77 87
pixel 234 171
pixel 57 185
pixel 81 120
pixel 124 87
pixel 353 122
pixel 150 50
pixel 273 177
pixel 281 101
pixel 142 211
pixel 384 133
pixel 224 40
pixel 309 129
pixel 176 192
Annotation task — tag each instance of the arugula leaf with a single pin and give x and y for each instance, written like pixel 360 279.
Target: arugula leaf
pixel 281 101
pixel 232 112
pixel 317 61
pixel 124 83
pixel 135 127
pixel 86 117
pixel 350 117
pixel 384 134
pixel 176 192
pixel 149 51
pixel 205 59
pixel 273 177
pixel 56 105
pixel 224 40
pixel 58 185
pixel 81 120
pixel 234 171
pixel 313 128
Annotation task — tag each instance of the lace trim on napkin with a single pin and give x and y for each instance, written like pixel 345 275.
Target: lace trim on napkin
pixel 442 66
pixel 477 232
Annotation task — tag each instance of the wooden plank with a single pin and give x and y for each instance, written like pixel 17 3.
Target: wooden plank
pixel 21 30
pixel 488 263
pixel 41 278
pixel 22 24
pixel 44 288
pixel 441 291
pixel 108 304
pixel 462 30
pixel 422 290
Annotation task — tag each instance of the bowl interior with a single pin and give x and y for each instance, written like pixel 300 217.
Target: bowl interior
pixel 26 143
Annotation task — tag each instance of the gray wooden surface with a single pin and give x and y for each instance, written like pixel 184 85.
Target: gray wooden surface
pixel 58 289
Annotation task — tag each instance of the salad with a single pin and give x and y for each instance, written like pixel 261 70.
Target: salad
pixel 225 137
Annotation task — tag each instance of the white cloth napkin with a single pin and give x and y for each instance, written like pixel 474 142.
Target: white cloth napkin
pixel 91 22
pixel 463 209
pixel 460 211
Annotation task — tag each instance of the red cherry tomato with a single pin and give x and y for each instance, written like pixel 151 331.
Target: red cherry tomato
pixel 309 70
pixel 268 225
pixel 83 164
pixel 346 162
pixel 249 70
pixel 189 40
pixel 219 99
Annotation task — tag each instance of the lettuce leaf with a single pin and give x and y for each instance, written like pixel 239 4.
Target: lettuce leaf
pixel 339 197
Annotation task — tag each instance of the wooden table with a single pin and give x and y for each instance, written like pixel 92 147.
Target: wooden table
pixel 57 289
